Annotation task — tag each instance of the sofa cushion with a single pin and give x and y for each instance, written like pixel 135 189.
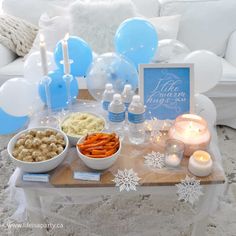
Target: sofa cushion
pixel 31 10
pixel 227 85
pixel 148 8
pixel 13 69
pixel 204 24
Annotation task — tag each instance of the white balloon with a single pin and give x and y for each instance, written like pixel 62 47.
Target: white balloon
pixel 169 49
pixel 205 108
pixel 18 97
pixel 207 69
pixel 32 66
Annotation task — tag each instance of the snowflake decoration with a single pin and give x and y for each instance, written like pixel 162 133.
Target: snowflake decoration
pixel 189 190
pixel 126 180
pixel 155 159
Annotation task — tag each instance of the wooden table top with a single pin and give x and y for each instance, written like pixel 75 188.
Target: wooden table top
pixel 131 156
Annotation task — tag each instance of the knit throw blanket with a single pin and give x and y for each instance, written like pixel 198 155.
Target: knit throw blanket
pixel 17 34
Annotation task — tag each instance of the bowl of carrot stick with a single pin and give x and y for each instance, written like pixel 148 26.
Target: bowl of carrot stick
pixel 99 151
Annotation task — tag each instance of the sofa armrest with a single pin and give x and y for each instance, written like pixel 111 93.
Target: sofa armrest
pixel 6 56
pixel 230 54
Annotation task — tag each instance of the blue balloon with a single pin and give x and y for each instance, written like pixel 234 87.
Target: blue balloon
pixel 79 52
pixel 11 124
pixel 58 91
pixel 137 40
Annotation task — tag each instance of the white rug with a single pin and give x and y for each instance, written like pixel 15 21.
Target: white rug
pixel 132 216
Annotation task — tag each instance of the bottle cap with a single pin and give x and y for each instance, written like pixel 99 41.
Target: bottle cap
pixel 127 87
pixel 136 98
pixel 109 86
pixel 117 96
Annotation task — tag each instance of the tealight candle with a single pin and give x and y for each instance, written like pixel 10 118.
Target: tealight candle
pixel 192 130
pixel 200 164
pixel 172 160
pixel 173 152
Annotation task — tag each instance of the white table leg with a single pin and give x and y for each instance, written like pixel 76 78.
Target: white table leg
pixel 34 211
pixel 200 225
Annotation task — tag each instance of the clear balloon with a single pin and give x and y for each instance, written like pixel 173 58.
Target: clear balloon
pixel 207 69
pixel 169 49
pixel 18 97
pixel 205 108
pixel 11 124
pixel 32 66
pixel 137 40
pixel 79 52
pixel 58 91
pixel 110 68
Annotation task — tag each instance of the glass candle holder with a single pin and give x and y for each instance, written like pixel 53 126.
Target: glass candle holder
pixel 174 152
pixel 193 131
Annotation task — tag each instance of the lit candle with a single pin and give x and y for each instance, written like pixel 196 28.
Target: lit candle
pixel 174 150
pixel 172 160
pixel 192 130
pixel 66 59
pixel 200 163
pixel 43 54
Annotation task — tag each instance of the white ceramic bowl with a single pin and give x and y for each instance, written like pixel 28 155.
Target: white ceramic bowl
pixel 42 166
pixel 98 163
pixel 72 139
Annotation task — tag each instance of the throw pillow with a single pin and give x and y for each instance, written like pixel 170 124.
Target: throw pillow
pixel 167 27
pixel 53 29
pixel 97 21
pixel 17 34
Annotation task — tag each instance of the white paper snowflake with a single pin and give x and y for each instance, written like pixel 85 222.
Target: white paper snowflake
pixel 189 190
pixel 155 159
pixel 126 180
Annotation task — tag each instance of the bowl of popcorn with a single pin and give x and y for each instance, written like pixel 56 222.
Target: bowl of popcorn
pixel 38 150
pixel 79 124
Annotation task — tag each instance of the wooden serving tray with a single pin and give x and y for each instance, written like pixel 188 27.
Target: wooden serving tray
pixel 132 156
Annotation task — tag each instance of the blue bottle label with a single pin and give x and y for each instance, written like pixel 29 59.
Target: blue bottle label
pixel 116 117
pixel 105 105
pixel 126 105
pixel 136 118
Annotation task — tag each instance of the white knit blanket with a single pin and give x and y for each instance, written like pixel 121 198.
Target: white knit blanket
pixel 17 34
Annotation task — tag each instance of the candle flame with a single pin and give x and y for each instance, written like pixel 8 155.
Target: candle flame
pixel 42 38
pixel 190 125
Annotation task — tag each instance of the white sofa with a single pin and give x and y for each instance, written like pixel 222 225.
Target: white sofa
pixel 209 24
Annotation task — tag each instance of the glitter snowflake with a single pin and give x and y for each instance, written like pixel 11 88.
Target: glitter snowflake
pixel 189 190
pixel 126 180
pixel 155 159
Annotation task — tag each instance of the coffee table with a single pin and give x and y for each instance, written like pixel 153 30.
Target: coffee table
pixel 153 181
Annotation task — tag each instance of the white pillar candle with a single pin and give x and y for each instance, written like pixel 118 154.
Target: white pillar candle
pixel 200 164
pixel 172 160
pixel 66 59
pixel 43 54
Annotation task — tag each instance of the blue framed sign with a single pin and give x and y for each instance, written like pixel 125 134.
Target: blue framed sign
pixel 166 90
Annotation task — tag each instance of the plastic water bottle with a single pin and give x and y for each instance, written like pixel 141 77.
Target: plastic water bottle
pixel 127 95
pixel 107 96
pixel 116 115
pixel 136 118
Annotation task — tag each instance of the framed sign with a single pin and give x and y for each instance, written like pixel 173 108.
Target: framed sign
pixel 166 89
